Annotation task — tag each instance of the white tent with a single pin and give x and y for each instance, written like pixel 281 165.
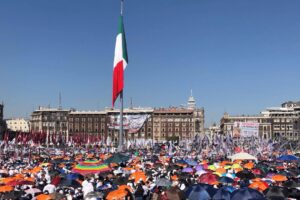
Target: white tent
pixel 242 156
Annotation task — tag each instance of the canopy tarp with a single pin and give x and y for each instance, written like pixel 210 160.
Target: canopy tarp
pixel 242 156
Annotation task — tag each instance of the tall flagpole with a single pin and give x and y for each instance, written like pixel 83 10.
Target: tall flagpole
pixel 121 135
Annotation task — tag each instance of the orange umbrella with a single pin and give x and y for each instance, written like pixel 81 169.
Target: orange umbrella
pixel 6 188
pixel 238 170
pixel 279 178
pixel 123 187
pixel 256 179
pixel 249 165
pixel 221 170
pixel 127 168
pixel 43 197
pixel 113 164
pixel 174 178
pixel 36 170
pixel 116 195
pixel 225 162
pixel 9 179
pixel 138 176
pixel 259 185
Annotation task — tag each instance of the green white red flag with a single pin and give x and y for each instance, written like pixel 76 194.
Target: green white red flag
pixel 120 62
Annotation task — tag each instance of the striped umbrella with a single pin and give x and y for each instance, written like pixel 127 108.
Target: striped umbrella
pixel 83 169
pixel 90 163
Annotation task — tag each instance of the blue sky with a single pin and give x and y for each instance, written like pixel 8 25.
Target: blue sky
pixel 238 56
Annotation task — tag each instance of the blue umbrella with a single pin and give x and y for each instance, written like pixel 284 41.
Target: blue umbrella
pixel 209 188
pixel 197 192
pixel 73 176
pixel 191 162
pixel 287 158
pixel 229 188
pixel 188 170
pixel 225 179
pixel 198 168
pixel 247 194
pixel 222 194
pixel 181 162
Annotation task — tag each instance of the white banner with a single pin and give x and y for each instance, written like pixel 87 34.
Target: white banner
pixel 245 129
pixel 132 123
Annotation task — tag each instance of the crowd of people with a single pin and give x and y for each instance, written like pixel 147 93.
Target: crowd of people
pixel 158 172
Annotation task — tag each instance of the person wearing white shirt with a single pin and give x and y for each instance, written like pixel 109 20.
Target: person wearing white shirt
pixel 87 188
pixel 50 188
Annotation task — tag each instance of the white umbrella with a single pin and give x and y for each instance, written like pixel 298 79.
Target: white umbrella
pixel 32 191
pixel 242 156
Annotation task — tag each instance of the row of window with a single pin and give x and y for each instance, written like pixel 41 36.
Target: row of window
pixel 86 119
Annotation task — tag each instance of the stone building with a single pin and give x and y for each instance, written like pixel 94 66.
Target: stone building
pixel 285 120
pixel 2 124
pixel 273 122
pixel 179 123
pixel 264 128
pixel 17 125
pixel 103 123
pixel 156 125
pixel 50 121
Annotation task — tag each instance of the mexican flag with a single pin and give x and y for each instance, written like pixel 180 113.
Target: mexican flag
pixel 120 62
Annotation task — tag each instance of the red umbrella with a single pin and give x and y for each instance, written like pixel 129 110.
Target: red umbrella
pixel 208 178
pixel 257 171
pixel 19 182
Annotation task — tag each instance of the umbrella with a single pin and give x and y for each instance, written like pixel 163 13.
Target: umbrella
pixel 200 172
pixel 175 193
pixel 196 192
pixel 245 174
pixel 116 194
pixel 249 165
pixel 259 185
pixel 57 196
pixel 279 178
pixel 221 170
pixel 117 158
pixel 188 170
pixel 242 156
pixel 276 192
pixel 191 162
pixel 198 168
pixel 291 184
pixel 212 167
pixel 12 195
pixel 69 183
pixel 247 194
pixel 225 179
pixel 209 188
pixel 33 191
pixel 81 169
pixel 138 176
pixel 163 182
pixel 208 178
pixel 294 193
pixel 74 176
pixel 43 197
pixel 229 188
pixel 288 158
pixel 91 163
pixel 19 182
pixel 6 188
pixel 258 172
pixel 222 194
